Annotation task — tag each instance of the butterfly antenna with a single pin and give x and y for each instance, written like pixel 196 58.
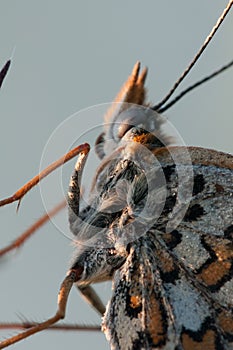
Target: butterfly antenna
pixel 197 56
pixel 4 71
pixel 192 87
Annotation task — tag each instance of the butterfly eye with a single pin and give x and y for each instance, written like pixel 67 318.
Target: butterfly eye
pixel 123 129
pixel 136 116
pixel 134 131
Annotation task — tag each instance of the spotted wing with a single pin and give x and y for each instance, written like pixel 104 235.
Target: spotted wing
pixel 138 316
pixel 175 290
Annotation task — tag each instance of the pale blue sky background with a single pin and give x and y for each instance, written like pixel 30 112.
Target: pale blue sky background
pixel 68 56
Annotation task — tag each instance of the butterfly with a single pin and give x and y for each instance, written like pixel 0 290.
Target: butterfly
pixel 159 224
pixel 173 287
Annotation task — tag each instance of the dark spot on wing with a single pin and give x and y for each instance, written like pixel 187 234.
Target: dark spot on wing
pixel 142 339
pixel 168 171
pixel 194 212
pixel 169 205
pixel 219 188
pixel 172 239
pixel 198 184
pixel 170 277
pixel 228 232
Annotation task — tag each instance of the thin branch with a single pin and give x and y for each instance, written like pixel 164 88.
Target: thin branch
pixel 18 242
pixel 192 87
pixel 18 195
pixel 197 56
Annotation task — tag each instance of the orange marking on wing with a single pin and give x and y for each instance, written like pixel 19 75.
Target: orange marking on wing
pixel 165 261
pixel 207 342
pixel 222 248
pixel 156 325
pixel 226 322
pixel 213 273
pixel 135 301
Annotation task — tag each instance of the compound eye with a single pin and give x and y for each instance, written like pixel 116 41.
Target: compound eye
pixel 126 120
pixel 123 129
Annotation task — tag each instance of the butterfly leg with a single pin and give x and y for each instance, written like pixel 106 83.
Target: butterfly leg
pixel 92 298
pixel 73 197
pixel 73 200
pixel 64 291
